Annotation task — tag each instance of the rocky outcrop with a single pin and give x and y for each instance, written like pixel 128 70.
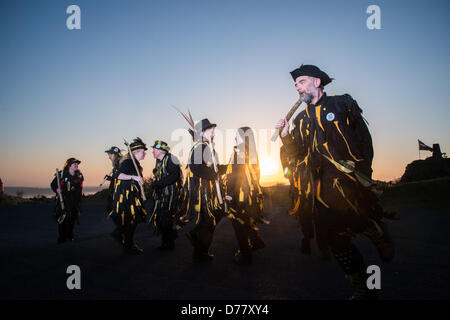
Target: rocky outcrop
pixel 426 169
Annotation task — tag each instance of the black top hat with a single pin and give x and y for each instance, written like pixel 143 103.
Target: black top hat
pixel 311 71
pixel 137 144
pixel 113 150
pixel 203 125
pixel 161 145
pixel 71 161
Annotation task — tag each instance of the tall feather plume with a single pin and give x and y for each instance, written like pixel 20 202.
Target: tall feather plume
pixel 189 120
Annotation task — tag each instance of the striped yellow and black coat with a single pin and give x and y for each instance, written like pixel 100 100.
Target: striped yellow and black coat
pixel 128 205
pixel 165 190
pixel 333 127
pixel 242 184
pixel 112 184
pixel 199 200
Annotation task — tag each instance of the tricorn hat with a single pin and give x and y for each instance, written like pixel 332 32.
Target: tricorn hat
pixel 137 144
pixel 161 145
pixel 71 161
pixel 311 71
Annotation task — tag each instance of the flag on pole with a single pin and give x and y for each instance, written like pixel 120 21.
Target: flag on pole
pixel 423 146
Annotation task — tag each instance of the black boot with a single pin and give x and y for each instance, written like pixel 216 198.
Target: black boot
pixel 117 236
pixel 192 238
pixel 257 244
pixel 167 245
pixel 167 240
pixel 133 250
pixel 241 258
pixel 305 246
pixel 202 256
pixel 380 237
pixel 360 290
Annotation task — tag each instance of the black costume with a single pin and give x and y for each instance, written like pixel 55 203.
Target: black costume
pixel 289 165
pixel 301 202
pixel 166 189
pixel 200 200
pixel 112 178
pixel 246 207
pixel 128 205
pixel 333 128
pixel 71 190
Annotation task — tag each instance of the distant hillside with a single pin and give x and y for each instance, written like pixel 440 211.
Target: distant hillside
pixel 30 192
pixel 432 193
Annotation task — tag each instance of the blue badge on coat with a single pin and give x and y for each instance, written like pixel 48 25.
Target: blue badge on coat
pixel 330 116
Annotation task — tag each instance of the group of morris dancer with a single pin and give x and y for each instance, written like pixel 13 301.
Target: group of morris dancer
pixel 327 158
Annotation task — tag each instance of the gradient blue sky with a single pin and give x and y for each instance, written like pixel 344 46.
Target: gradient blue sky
pixel 75 93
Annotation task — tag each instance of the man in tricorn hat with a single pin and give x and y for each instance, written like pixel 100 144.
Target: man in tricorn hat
pixel 165 189
pixel 114 155
pixel 70 188
pixel 202 190
pixel 128 203
pixel 331 136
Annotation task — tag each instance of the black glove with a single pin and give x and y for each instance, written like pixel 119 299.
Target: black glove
pixel 155 185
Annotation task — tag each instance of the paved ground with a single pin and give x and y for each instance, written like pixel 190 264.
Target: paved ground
pixel 33 266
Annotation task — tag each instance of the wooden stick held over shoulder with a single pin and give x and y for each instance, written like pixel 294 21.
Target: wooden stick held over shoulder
pixel 136 168
pixel 288 117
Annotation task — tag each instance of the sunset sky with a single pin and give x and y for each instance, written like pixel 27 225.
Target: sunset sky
pixel 75 93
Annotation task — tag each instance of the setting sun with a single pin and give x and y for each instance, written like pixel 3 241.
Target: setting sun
pixel 268 167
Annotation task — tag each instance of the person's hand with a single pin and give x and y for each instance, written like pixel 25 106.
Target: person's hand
pixel 58 190
pixel 152 185
pixel 228 198
pixel 138 180
pixel 283 126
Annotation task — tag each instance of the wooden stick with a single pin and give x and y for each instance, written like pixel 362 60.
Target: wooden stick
pixel 137 170
pixel 288 117
pixel 59 187
pixel 63 215
pixel 104 179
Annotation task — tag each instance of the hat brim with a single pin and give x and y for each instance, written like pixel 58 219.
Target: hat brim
pixel 311 71
pixel 155 147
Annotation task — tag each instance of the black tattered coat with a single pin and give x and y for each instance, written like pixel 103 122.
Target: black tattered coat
pixel 200 198
pixel 335 128
pixel 71 190
pixel 242 184
pixel 128 205
pixel 166 189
